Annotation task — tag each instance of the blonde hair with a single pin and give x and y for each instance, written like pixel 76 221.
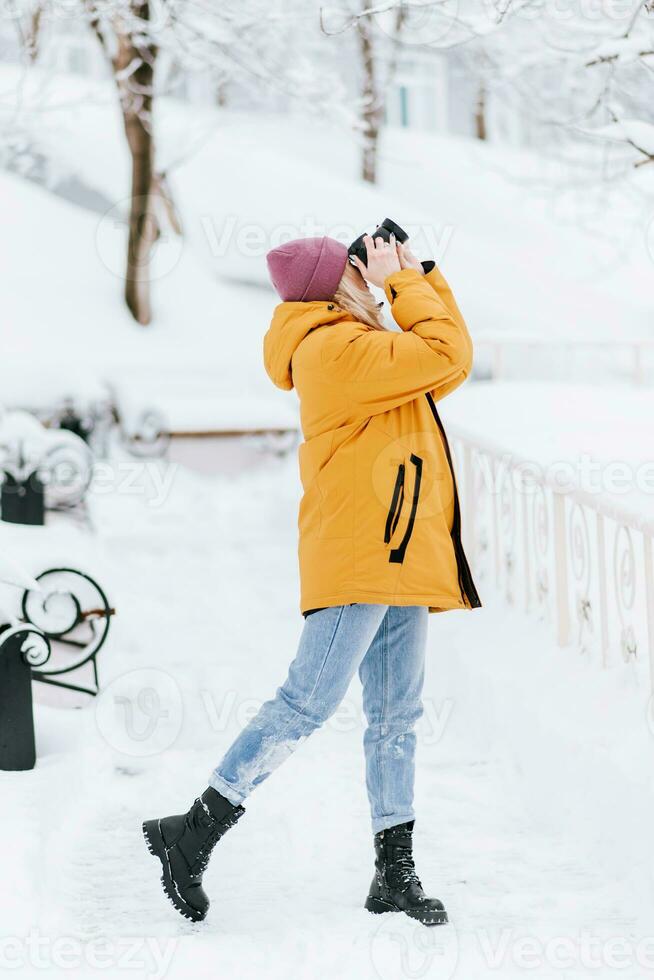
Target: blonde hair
pixel 354 296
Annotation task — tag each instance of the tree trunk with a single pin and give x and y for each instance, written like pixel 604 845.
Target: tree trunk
pixel 369 158
pixel 132 58
pixel 136 99
pixel 373 90
pixel 142 222
pixel 372 111
pixel 480 113
pixel 32 34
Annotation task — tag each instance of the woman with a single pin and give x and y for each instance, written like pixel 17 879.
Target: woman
pixel 379 545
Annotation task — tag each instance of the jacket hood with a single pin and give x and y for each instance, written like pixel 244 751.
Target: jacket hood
pixel 291 323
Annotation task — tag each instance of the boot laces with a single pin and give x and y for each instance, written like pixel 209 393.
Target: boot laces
pixel 205 819
pixel 403 868
pixel 202 859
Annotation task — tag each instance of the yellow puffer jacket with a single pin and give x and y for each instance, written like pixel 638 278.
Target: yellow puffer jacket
pixel 379 519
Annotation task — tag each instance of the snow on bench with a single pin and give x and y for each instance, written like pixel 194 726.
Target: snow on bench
pixel 183 406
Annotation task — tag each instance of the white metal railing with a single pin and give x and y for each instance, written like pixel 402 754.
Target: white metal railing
pixel 639 352
pixel 572 556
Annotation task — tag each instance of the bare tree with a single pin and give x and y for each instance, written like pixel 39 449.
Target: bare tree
pixel 388 31
pixel 377 61
pixel 579 79
pixel 134 73
pixel 132 54
pixel 480 112
pixel 32 37
pixel 29 28
pixel 228 41
pixel 372 100
pixel 624 60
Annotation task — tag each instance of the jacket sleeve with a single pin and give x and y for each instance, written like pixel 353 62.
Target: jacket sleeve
pixel 437 281
pixel 381 369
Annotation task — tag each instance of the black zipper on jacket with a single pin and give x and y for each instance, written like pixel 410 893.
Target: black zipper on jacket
pixel 466 583
pixel 397 554
pixel 394 510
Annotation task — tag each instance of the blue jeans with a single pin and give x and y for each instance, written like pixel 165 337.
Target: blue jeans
pixel 387 645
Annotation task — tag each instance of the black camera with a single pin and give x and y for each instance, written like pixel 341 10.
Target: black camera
pixel 385 230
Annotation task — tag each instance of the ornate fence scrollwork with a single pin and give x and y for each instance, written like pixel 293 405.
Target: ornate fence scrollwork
pixel 65 623
pixel 580 554
pixel 74 614
pixel 22 647
pixel 581 562
pixel 624 572
pixel 507 528
pixel 481 497
pixel 34 646
pixel 541 538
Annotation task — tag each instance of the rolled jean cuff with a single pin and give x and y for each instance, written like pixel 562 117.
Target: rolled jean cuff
pixel 392 820
pixel 225 789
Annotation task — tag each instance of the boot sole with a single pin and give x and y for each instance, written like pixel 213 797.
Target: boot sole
pixel 157 847
pixel 378 906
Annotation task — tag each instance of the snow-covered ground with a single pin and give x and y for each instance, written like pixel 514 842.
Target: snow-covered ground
pixel 534 793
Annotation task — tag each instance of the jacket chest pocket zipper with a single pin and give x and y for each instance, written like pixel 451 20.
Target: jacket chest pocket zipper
pixel 397 501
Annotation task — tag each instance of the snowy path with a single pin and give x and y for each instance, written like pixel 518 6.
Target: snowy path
pixel 206 592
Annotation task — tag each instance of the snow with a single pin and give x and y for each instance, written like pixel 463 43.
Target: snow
pixel 534 794
pixel 515 249
pixel 13 573
pixel 606 452
pixel 514 268
pixel 93 344
pixel 635 131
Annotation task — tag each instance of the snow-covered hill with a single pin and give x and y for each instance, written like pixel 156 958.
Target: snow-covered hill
pixel 514 250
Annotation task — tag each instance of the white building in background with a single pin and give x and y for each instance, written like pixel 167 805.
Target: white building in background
pixel 433 93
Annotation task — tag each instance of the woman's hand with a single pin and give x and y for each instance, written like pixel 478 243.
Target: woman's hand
pixel 408 259
pixel 383 260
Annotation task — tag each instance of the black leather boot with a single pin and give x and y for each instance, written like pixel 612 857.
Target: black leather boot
pixel 184 844
pixel 396 886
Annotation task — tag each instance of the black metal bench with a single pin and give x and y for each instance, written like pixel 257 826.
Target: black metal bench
pixel 62 628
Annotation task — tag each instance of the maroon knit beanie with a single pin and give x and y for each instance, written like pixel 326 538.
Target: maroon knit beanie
pixel 307 269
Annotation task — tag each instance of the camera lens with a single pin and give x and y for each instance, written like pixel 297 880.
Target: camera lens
pixel 392 228
pixel 387 228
